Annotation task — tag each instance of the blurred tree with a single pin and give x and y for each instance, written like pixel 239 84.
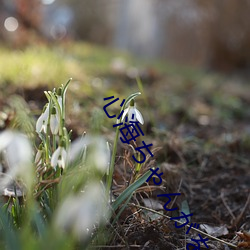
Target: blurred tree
pixel 29 14
pixel 211 33
pixel 229 34
pixel 92 20
pixel 26 16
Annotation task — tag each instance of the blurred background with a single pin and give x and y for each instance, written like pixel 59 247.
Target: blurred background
pixel 212 34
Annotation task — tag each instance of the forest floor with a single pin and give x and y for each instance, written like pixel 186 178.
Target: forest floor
pixel 198 122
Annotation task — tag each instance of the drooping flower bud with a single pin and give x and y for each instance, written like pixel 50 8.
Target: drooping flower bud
pixel 54 121
pixel 133 113
pixel 42 121
pixel 59 157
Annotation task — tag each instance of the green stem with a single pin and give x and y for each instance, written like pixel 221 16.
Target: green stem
pixel 54 142
pixel 63 100
pixel 112 164
pixel 47 144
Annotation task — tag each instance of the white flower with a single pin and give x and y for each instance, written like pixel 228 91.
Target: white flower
pixel 133 113
pixel 98 152
pixel 59 157
pixel 54 121
pixel 100 155
pixel 79 214
pixel 42 122
pixel 17 152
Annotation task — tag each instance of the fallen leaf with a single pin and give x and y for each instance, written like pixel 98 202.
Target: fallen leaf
pixel 245 236
pixel 214 230
pixel 152 204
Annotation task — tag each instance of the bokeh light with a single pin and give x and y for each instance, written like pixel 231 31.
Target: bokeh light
pixel 11 24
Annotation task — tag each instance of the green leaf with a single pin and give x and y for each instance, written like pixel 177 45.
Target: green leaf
pixel 39 222
pixel 128 191
pixel 122 209
pixel 65 87
pixel 11 237
pixel 184 208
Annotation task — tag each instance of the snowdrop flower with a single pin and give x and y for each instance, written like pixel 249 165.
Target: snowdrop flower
pixel 42 122
pixel 133 113
pixel 79 214
pixel 98 152
pixel 59 157
pixel 17 152
pixel 54 121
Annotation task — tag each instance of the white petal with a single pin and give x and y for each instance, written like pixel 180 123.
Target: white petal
pixel 55 156
pixel 64 154
pixel 61 163
pixel 46 113
pixel 5 139
pixel 18 157
pixel 39 123
pixel 54 124
pixel 79 214
pixel 139 116
pixel 132 115
pixel 42 121
pixel 77 148
pixel 63 159
pixel 44 127
pixel 125 113
pixel 101 154
pixel 19 151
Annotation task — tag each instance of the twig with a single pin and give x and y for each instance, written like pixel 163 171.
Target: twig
pixel 212 237
pixel 227 207
pixel 236 221
pixel 175 198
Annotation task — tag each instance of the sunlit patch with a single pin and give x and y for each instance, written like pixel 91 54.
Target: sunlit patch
pixel 11 24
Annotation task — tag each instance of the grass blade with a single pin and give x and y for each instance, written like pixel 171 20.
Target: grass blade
pixel 128 191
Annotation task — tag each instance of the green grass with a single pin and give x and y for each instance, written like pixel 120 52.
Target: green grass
pixel 42 64
pixel 37 65
pixel 175 91
pixel 34 65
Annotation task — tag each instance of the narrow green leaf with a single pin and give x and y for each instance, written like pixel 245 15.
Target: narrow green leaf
pixel 128 191
pixel 39 222
pixel 11 237
pixel 65 87
pixel 122 209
